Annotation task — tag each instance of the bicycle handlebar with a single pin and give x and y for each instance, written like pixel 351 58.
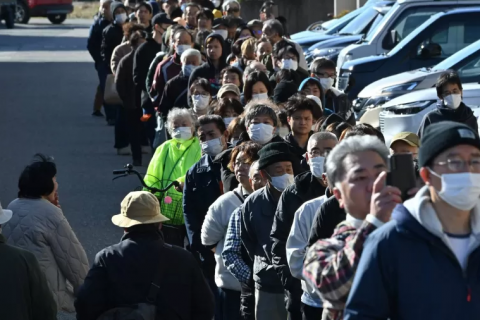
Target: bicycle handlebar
pixel 129 170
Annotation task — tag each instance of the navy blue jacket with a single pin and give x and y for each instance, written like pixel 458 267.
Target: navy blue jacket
pixel 406 273
pixel 94 42
pixel 202 187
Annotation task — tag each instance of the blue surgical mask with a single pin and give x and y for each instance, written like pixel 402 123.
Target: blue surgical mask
pixel 187 69
pixel 282 182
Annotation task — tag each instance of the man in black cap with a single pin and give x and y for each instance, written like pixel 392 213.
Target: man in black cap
pixel 276 163
pixel 142 60
pixel 426 261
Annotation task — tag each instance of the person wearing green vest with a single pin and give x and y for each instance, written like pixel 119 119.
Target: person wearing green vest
pixel 171 161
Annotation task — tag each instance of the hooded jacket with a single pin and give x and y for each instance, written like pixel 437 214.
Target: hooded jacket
pixel 305 188
pixel 408 269
pixel 338 102
pixel 112 37
pixel 208 70
pixel 462 114
pixel 144 56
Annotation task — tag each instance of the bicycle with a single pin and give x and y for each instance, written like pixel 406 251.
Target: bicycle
pixel 170 205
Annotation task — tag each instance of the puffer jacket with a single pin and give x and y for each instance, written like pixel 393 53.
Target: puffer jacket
pixel 41 228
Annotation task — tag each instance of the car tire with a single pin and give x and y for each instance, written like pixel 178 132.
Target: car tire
pixel 22 12
pixel 10 18
pixel 57 18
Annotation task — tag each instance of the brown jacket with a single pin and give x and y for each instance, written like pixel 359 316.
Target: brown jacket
pixel 118 53
pixel 124 81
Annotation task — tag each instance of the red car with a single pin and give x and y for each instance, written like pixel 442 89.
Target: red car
pixel 55 10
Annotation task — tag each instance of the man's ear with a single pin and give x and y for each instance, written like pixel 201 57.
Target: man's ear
pixel 425 175
pixel 338 195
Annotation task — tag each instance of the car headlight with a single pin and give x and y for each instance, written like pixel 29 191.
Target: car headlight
pixel 348 57
pixel 376 102
pixel 325 52
pixel 401 87
pixel 410 108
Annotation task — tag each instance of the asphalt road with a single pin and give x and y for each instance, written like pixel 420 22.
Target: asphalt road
pixel 47 86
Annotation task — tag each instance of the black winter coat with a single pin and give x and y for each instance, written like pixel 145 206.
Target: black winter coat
pixel 112 37
pixel 340 104
pixel 305 188
pixel 122 274
pixel 144 56
pixel 174 94
pixel 124 81
pixel 328 216
pixel 462 114
pixel 95 38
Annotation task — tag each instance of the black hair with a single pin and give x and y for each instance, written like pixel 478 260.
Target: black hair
pixel 136 37
pixel 282 117
pixel 239 31
pixel 284 46
pixel 447 77
pixel 225 103
pixel 147 6
pixel 36 180
pixel 237 47
pixel 322 63
pixel 283 21
pixel 174 12
pixel 206 13
pixel 233 70
pixel 193 4
pixel 276 26
pixel 364 129
pixel 131 27
pixel 212 118
pixel 299 102
pixel 181 30
pixel 202 82
pixel 254 77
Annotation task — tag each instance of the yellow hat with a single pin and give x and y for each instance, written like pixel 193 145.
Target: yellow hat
pixel 217 13
pixel 139 207
pixel 408 137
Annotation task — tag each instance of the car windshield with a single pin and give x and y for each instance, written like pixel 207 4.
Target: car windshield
pixel 341 21
pixel 358 25
pixel 457 57
pixel 383 24
pixel 414 33
pixel 328 24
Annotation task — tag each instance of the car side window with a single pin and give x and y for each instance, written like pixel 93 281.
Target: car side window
pixel 469 70
pixel 408 21
pixel 448 36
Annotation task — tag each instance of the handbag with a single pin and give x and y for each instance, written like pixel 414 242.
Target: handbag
pixel 145 310
pixel 110 95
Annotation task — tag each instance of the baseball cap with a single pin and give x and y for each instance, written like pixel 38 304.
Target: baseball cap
pixel 162 18
pixel 228 88
pixel 408 137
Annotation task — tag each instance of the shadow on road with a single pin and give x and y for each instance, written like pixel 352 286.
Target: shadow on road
pixel 37 43
pixel 42 26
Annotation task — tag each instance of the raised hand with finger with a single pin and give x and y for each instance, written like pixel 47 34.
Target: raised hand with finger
pixel 384 198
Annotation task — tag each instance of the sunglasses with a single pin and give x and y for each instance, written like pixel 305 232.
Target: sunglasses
pixel 259 32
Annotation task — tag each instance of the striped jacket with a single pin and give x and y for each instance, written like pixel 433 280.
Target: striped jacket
pixel 330 265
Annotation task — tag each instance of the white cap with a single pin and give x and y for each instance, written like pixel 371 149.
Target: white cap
pixel 5 215
pixel 316 99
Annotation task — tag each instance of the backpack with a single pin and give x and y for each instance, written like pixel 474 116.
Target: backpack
pixel 140 311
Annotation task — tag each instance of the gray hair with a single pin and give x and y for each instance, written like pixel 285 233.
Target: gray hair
pixel 335 166
pixel 227 3
pixel 320 136
pixel 176 113
pixel 260 108
pixel 190 53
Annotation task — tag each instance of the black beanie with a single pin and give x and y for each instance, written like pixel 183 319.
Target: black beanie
pixel 444 135
pixel 274 152
pixel 331 119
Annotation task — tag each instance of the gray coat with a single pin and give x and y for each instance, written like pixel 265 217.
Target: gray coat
pixel 41 228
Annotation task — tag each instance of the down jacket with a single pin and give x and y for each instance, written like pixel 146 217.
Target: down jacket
pixel 41 228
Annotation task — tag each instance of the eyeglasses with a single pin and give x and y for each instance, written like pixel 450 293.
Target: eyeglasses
pixel 458 165
pixel 259 32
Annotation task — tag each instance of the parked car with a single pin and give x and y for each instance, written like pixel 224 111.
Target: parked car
pixel 406 112
pixel 55 10
pixel 399 22
pixel 7 12
pixel 367 106
pixel 432 42
pixel 365 22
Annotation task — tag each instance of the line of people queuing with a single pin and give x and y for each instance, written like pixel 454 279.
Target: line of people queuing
pixel 282 208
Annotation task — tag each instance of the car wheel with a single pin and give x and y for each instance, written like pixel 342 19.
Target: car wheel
pixel 22 13
pixel 57 18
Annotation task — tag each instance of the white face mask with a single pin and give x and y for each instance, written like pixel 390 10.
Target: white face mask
pixel 283 132
pixel 260 96
pixel 228 120
pixel 289 64
pixel 282 182
pixel 200 102
pixel 212 147
pixel 260 132
pixel 216 3
pixel 452 101
pixel 326 83
pixel 316 166
pixel 187 69
pixel 223 33
pixel 460 190
pixel 121 18
pixel 182 48
pixel 182 133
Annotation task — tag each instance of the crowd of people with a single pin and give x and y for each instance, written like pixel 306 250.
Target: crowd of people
pixel 281 209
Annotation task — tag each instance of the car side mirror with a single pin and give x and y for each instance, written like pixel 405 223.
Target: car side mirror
pixel 430 50
pixel 391 40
